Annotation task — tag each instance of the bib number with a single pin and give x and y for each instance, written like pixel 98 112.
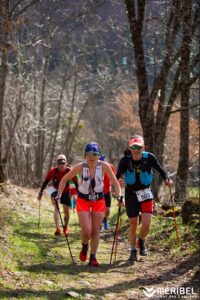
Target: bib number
pixel 93 197
pixel 145 194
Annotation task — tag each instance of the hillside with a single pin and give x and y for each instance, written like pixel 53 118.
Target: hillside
pixel 34 264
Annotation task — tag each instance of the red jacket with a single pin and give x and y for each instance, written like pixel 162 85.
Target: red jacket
pixel 55 175
pixel 106 181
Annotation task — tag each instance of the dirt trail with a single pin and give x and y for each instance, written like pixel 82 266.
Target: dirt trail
pixel 158 273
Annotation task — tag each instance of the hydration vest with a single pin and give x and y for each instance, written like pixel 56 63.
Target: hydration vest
pixel 89 185
pixel 146 174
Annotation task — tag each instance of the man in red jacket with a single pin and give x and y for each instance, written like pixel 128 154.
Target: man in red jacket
pixel 55 175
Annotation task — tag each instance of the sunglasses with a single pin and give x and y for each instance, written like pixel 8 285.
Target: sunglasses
pixel 61 162
pixel 136 147
pixel 91 154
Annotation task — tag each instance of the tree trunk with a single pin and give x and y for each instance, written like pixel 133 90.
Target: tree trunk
pixel 154 130
pixel 4 33
pixel 75 128
pixel 71 118
pixel 8 13
pixel 55 133
pixel 28 159
pixel 182 172
pixel 41 129
pixel 135 16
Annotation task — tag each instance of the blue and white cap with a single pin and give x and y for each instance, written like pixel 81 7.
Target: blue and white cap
pixel 92 148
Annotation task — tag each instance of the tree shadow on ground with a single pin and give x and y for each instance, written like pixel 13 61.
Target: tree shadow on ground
pixel 136 283
pixel 194 282
pixel 47 245
pixel 68 269
pixel 47 240
pixel 178 271
pixel 61 294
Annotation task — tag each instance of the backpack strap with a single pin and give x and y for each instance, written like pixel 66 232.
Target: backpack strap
pixel 145 154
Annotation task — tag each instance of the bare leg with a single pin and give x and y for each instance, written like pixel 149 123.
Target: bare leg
pixel 66 214
pixel 132 235
pixel 146 223
pixel 107 213
pixel 97 218
pixel 85 224
pixel 55 215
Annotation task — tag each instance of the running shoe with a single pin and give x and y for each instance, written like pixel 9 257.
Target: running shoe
pixel 133 256
pixel 83 253
pixel 93 262
pixel 58 231
pixel 66 230
pixel 143 249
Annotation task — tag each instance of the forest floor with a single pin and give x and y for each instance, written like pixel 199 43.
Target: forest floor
pixel 35 264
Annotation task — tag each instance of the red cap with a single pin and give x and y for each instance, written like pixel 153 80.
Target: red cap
pixel 136 141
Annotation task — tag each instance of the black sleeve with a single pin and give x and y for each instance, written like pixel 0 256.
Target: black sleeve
pixel 121 167
pixel 156 165
pixel 75 180
pixel 44 184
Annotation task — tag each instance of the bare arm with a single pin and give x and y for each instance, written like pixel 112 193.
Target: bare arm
pixel 72 173
pixel 108 171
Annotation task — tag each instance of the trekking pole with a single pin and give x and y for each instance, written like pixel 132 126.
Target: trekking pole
pixel 116 241
pixel 63 230
pixel 174 216
pixel 39 215
pixel 116 232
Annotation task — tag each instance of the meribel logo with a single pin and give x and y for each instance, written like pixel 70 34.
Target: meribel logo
pixel 149 292
pixel 170 292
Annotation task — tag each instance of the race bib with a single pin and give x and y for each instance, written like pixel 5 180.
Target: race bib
pixel 145 194
pixel 93 197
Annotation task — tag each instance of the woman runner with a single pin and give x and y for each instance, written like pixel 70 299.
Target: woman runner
pixel 90 203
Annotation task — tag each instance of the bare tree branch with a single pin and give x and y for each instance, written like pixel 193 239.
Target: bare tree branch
pixel 14 7
pixel 25 8
pixel 184 108
pixel 193 80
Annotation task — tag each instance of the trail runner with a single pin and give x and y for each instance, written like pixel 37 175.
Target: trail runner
pixel 90 203
pixel 55 174
pixel 136 168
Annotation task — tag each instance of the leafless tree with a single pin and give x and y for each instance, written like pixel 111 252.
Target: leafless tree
pixel 167 82
pixel 10 12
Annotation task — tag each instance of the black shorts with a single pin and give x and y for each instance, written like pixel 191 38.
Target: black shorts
pixel 107 198
pixel 133 206
pixel 65 198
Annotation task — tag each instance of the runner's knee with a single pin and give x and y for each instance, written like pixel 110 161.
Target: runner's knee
pixel 86 234
pixel 95 231
pixel 145 226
